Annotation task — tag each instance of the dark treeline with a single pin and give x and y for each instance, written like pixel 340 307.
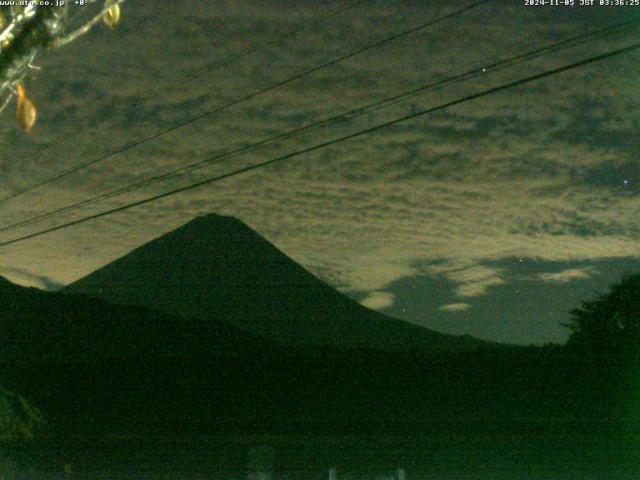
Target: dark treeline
pixel 135 379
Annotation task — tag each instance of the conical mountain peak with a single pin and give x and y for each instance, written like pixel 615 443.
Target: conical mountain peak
pixel 216 267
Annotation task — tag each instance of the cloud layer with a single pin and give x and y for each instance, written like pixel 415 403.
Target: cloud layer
pixel 567 275
pixel 378 300
pixel 455 307
pixel 548 171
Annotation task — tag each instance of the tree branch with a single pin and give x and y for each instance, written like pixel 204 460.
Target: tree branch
pixel 32 28
pixel 39 31
pixel 62 41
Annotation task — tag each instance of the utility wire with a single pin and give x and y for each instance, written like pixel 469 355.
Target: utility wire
pixel 518 59
pixel 229 60
pixel 383 103
pixel 247 97
pixel 328 143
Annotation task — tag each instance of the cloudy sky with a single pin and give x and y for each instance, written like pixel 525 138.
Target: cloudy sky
pixel 491 218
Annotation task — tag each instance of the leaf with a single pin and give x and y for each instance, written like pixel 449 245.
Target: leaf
pixel 25 110
pixel 112 16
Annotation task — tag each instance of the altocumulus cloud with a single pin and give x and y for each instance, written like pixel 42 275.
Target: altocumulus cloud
pixel 378 300
pixel 455 307
pixel 567 275
pixel 445 195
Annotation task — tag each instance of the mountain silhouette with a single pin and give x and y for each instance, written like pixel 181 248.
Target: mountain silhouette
pixel 210 329
pixel 216 267
pixel 102 370
pixel 39 326
pixel 97 367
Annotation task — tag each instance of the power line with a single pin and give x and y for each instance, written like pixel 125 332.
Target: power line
pixel 247 97
pixel 521 58
pixel 383 103
pixel 229 60
pixel 328 143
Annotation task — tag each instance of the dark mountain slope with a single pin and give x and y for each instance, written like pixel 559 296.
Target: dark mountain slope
pixel 93 368
pixel 36 325
pixel 98 368
pixel 217 267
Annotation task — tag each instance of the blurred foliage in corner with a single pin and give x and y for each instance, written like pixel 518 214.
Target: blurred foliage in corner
pixel 18 419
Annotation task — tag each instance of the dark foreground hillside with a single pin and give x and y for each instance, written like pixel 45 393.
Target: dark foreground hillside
pixel 39 326
pixel 133 386
pixel 96 367
pixel 364 394
pixel 522 413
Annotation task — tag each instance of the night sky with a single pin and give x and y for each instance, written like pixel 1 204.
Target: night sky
pixel 492 218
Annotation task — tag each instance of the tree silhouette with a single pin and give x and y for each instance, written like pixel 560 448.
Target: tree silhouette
pixel 610 323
